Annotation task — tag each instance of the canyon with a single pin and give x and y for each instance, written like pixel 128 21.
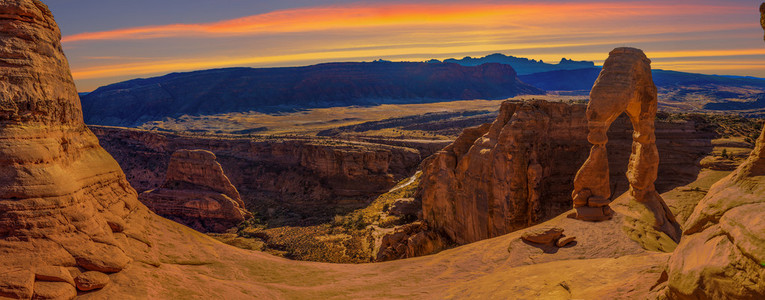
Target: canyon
pixel 72 226
pixel 305 177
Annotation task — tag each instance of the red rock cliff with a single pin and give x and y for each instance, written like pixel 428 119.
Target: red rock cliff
pixel 519 170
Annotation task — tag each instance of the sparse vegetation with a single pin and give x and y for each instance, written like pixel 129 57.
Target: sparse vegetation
pixel 346 238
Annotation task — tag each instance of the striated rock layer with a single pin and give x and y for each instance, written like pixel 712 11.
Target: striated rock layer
pixel 519 171
pixel 624 86
pixel 63 200
pixel 500 177
pixel 197 193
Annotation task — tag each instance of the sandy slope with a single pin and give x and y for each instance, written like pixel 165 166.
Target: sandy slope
pixel 185 264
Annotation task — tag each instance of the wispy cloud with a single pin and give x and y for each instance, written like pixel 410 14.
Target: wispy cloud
pixel 583 30
pixel 525 16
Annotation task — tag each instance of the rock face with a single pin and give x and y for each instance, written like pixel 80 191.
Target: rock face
pixel 501 177
pixel 722 253
pixel 197 193
pixel 519 171
pixel 410 240
pixel 61 194
pixel 300 175
pixel 623 86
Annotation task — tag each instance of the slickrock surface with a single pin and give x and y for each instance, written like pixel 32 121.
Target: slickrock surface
pixel 61 194
pixel 521 168
pixel 624 86
pixel 54 290
pixel 722 254
pixel 197 193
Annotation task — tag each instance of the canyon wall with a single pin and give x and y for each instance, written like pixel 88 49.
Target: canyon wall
pixel 519 170
pixel 297 172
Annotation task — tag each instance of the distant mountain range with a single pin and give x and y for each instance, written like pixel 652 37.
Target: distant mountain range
pixel 272 90
pixel 523 66
pixel 269 90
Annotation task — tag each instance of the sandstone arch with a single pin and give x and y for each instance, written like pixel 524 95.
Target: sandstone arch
pixel 624 85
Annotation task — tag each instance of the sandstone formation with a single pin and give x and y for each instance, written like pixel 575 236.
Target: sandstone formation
pixel 197 193
pixel 562 242
pixel 64 202
pixel 623 86
pixel 519 171
pixel 300 175
pixel 722 253
pixel 410 240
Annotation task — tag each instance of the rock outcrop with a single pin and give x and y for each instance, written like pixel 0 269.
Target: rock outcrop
pixel 543 235
pixel 624 86
pixel 410 240
pixel 64 202
pixel 519 171
pixel 197 193
pixel 503 176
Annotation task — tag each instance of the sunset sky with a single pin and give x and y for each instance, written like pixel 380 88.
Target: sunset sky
pixel 111 41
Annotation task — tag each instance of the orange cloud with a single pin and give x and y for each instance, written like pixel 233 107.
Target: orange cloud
pixel 669 32
pixel 485 15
